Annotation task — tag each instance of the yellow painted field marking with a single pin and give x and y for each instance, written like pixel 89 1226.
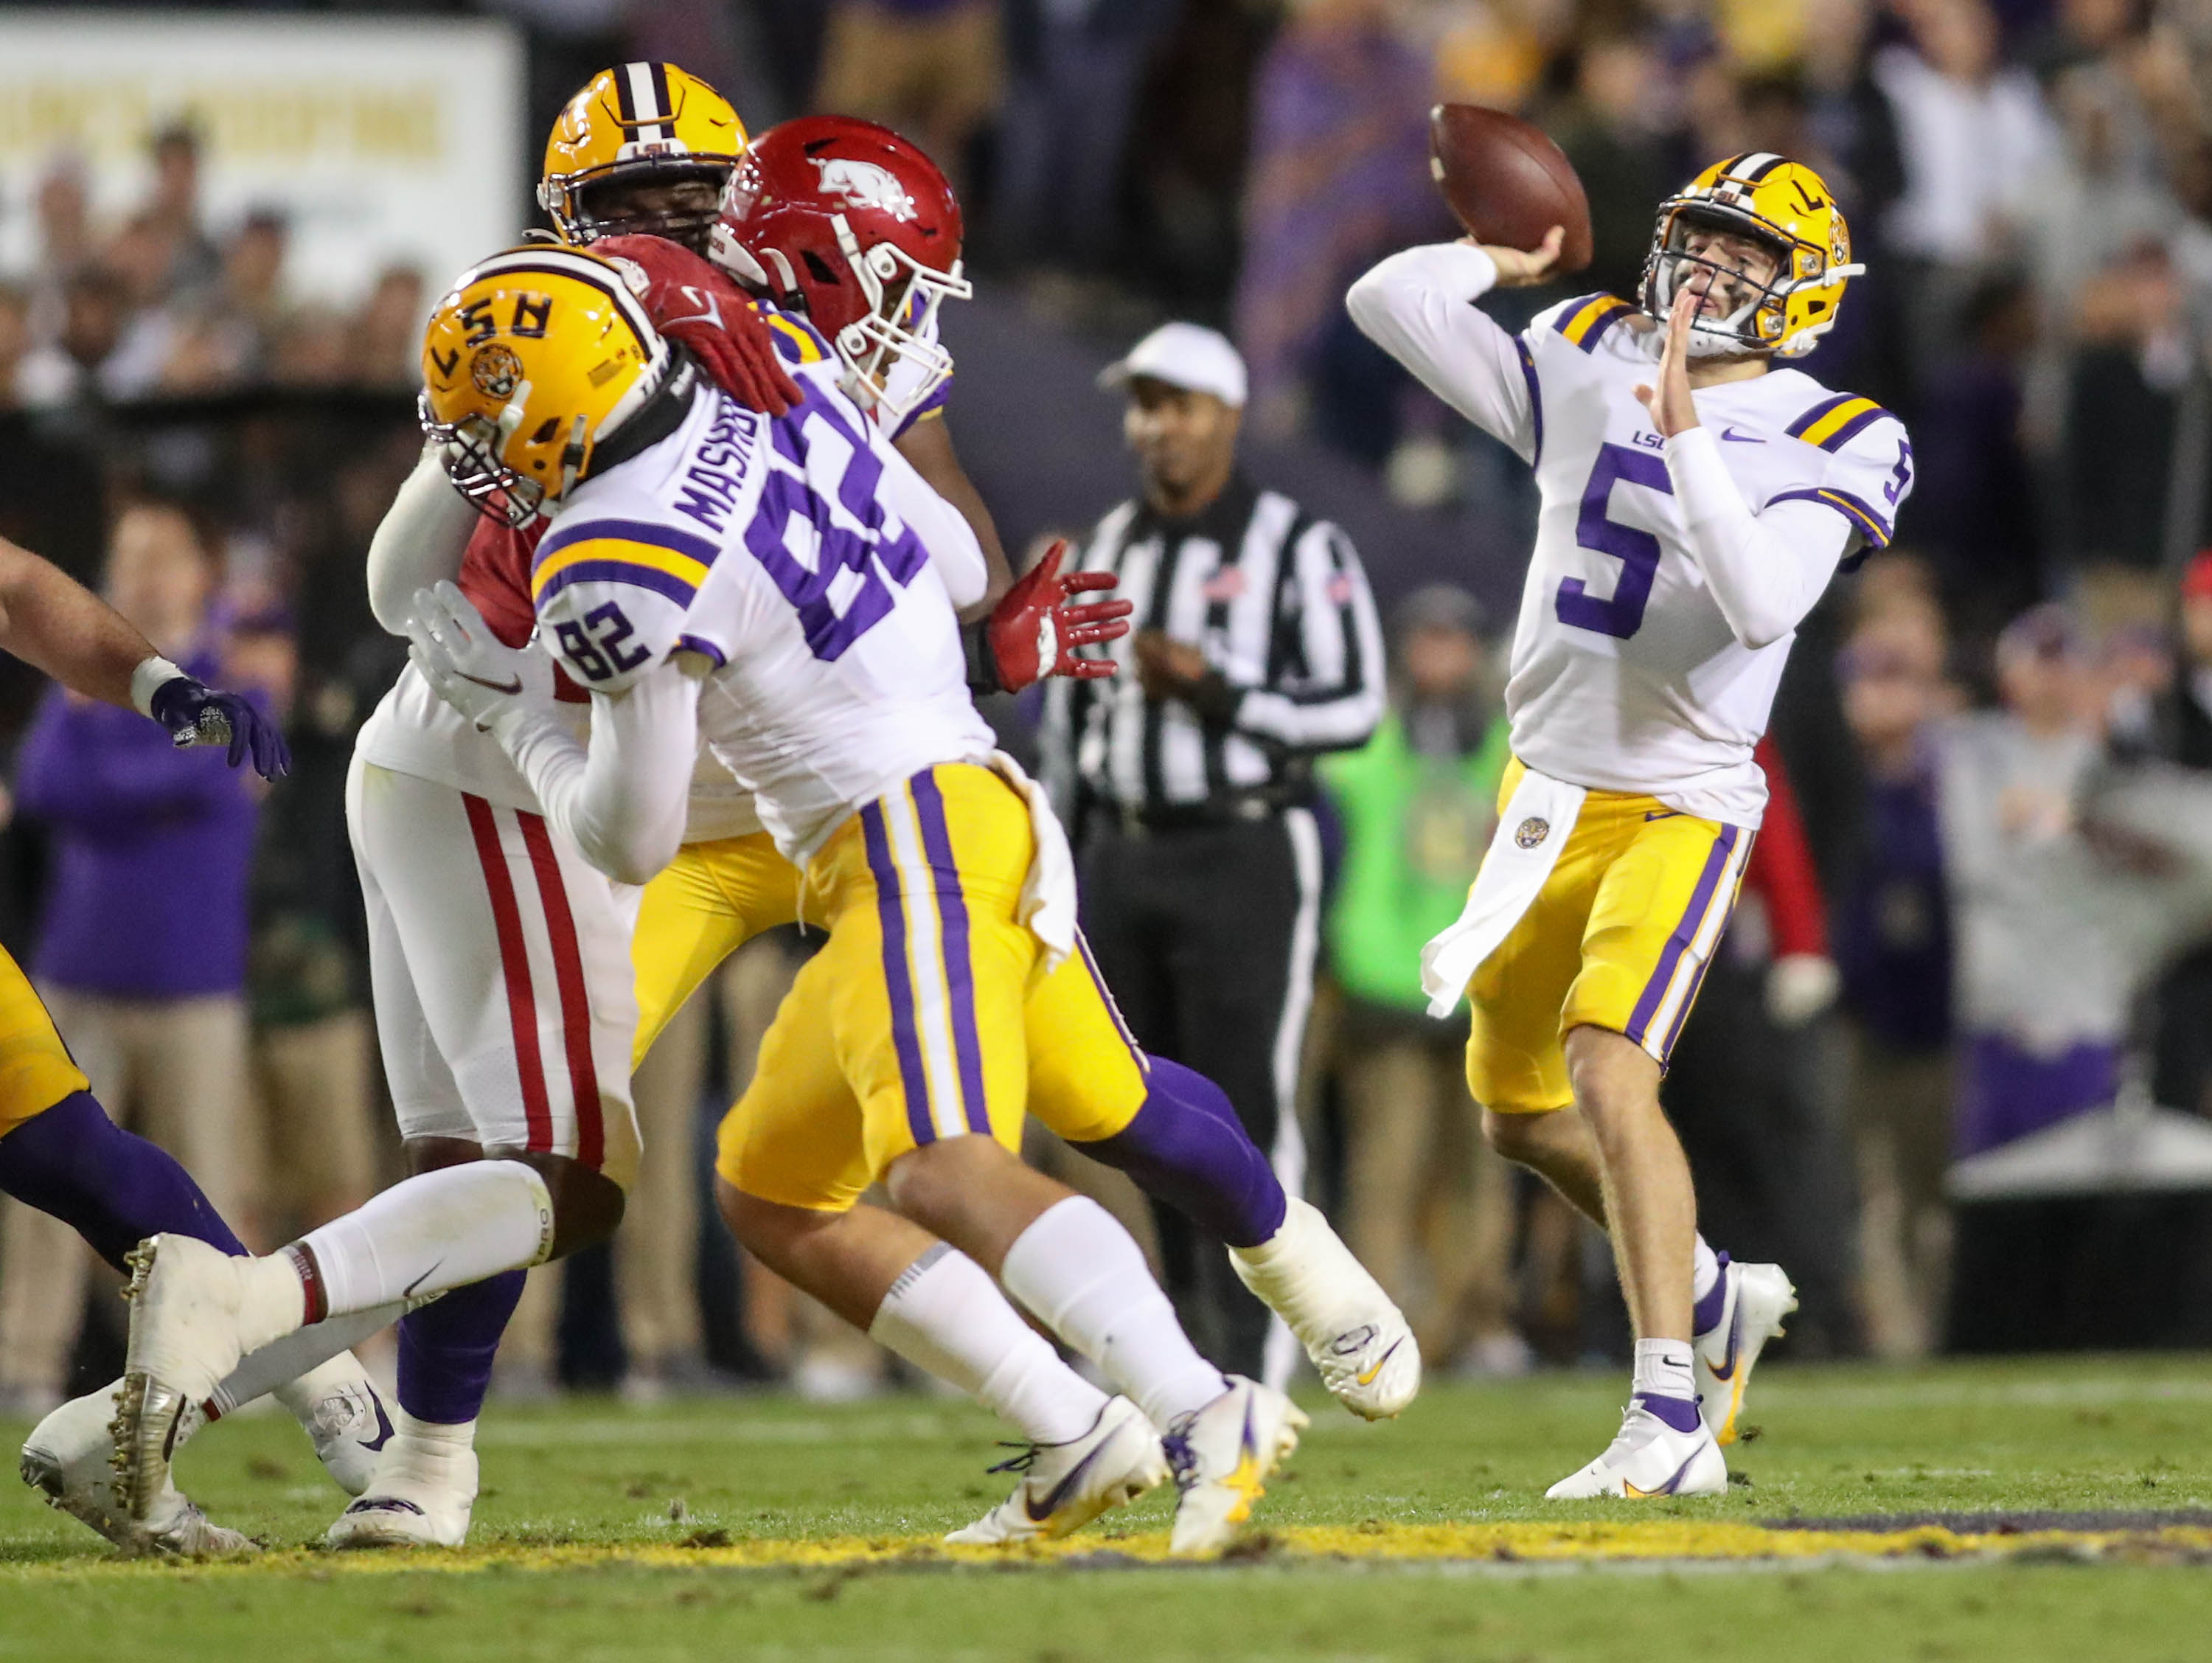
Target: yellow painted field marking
pixel 1594 1542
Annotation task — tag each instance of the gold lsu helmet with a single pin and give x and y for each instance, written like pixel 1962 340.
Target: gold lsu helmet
pixel 537 356
pixel 633 123
pixel 1778 202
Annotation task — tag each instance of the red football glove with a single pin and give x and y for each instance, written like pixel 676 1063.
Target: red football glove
pixel 1035 631
pixel 694 302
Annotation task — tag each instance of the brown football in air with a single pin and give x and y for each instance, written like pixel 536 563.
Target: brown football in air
pixel 1507 182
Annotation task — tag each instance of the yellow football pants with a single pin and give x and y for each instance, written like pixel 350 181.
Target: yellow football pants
pixel 36 1070
pixel 1618 938
pixel 1086 1075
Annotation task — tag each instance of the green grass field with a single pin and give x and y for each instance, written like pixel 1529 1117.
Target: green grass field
pixel 761 1528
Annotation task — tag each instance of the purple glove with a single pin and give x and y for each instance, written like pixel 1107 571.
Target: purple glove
pixel 198 715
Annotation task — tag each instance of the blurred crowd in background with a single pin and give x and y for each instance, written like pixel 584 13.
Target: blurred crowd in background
pixel 1915 976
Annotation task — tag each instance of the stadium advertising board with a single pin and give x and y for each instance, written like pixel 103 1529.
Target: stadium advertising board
pixel 382 140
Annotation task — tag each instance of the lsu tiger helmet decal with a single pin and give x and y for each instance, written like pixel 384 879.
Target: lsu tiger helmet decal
pixel 537 356
pixel 1783 206
pixel 640 128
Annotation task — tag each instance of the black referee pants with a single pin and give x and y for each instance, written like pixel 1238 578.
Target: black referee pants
pixel 1208 938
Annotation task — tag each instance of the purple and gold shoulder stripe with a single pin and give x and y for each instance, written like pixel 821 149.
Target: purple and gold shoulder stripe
pixel 1835 421
pixel 1868 523
pixel 796 339
pixel 661 558
pixel 1584 322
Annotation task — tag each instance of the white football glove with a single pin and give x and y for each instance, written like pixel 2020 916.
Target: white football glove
pixel 465 663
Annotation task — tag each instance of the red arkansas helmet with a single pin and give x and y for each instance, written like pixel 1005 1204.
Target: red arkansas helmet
pixel 849 223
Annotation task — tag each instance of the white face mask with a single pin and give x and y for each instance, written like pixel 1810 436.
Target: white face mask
pixel 899 328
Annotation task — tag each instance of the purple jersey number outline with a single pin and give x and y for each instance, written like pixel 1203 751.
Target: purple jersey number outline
pixel 868 554
pixel 1637 550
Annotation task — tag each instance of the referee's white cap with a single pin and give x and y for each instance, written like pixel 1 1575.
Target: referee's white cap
pixel 1185 355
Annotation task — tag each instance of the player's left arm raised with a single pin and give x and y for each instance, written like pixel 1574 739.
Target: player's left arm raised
pixel 51 621
pixel 1767 569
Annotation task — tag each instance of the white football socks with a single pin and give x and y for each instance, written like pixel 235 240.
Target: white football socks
pixel 1705 1269
pixel 301 1356
pixel 434 1232
pixel 1086 1280
pixel 1662 1370
pixel 944 1315
pixel 438 1437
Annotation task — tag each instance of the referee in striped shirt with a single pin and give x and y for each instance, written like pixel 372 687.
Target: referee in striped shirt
pixel 1188 777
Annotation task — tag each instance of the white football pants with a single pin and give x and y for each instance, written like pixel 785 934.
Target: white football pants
pixel 500 963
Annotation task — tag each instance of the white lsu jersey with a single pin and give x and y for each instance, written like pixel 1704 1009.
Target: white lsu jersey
pixel 1625 674
pixel 804 559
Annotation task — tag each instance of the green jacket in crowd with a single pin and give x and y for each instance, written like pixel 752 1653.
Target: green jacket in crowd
pixel 1415 826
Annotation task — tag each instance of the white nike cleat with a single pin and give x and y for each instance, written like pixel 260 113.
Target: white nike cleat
pixel 1757 1297
pixel 1065 1486
pixel 1358 1338
pixel 65 1458
pixel 1649 1458
pixel 349 1427
pixel 187 1302
pixel 421 1497
pixel 1221 1456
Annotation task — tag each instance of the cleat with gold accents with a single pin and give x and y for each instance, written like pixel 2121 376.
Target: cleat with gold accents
pixel 65 1460
pixel 1755 1300
pixel 1358 1339
pixel 1065 1486
pixel 1221 1456
pixel 1649 1458
pixel 185 1307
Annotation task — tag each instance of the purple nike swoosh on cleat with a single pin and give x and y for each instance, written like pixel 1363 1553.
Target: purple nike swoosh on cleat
pixel 1058 1492
pixel 383 1425
pixel 1725 1369
pixel 1666 1488
pixel 384 1504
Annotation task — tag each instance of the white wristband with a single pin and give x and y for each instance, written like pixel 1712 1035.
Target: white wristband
pixel 151 674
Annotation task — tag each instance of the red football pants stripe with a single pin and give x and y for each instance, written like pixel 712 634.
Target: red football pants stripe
pixel 568 977
pixel 514 961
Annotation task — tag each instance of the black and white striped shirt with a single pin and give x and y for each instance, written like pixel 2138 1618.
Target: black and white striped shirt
pixel 1277 601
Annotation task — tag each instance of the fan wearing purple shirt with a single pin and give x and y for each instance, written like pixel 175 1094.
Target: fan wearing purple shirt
pixel 59 1151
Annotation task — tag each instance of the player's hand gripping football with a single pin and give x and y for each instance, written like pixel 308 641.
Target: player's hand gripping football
pixel 1518 268
pixel 465 664
pixel 691 302
pixel 1672 411
pixel 1036 631
pixel 196 714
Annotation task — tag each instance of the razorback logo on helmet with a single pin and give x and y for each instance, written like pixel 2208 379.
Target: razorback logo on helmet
pixel 864 185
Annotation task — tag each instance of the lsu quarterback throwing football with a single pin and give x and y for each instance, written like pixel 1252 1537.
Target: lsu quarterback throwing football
pixel 1697 498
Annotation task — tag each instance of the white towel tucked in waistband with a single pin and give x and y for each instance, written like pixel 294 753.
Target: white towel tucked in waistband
pixel 1532 831
pixel 1047 905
